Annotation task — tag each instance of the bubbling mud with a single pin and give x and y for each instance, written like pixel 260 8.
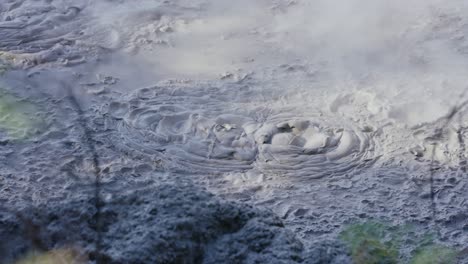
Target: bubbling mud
pixel 196 129
pixel 315 145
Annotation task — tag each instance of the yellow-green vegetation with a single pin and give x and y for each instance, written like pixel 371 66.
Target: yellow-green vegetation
pixel 18 118
pixel 369 244
pixel 434 255
pixel 377 243
pixel 58 256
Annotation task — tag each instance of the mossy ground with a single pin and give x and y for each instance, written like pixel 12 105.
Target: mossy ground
pixel 377 243
pixel 19 119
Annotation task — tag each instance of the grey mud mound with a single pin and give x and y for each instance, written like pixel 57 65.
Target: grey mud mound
pixel 167 224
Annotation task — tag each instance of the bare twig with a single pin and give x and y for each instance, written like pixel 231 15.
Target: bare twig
pixel 461 142
pixel 90 144
pixel 457 109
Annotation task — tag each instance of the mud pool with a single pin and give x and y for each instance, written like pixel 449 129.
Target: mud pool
pixel 249 132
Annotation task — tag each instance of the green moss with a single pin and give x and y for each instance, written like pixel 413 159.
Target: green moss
pixel 376 243
pixel 369 244
pixel 434 255
pixel 18 119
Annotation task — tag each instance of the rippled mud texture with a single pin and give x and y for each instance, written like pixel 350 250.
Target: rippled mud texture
pixel 39 32
pixel 213 130
pixel 163 224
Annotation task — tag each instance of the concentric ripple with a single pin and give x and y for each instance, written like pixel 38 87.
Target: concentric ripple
pixel 200 130
pixel 192 129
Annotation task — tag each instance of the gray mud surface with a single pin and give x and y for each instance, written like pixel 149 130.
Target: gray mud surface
pixel 230 132
pixel 163 224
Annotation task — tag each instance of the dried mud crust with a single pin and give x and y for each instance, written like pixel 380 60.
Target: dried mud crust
pixel 164 224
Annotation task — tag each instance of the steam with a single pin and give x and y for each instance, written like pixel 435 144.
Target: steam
pixel 405 52
pixel 398 50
